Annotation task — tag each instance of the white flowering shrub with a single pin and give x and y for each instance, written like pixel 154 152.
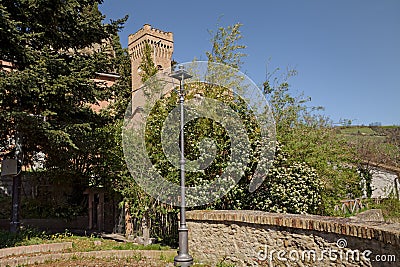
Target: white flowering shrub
pixel 289 187
pixel 292 189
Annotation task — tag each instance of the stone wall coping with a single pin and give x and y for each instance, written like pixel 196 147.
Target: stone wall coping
pixel 51 247
pixel 381 231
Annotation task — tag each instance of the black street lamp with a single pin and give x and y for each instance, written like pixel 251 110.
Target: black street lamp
pixel 12 167
pixel 183 258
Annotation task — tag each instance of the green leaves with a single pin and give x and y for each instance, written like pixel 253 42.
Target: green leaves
pixel 226 47
pixel 57 49
pixel 290 187
pixel 147 66
pixel 308 137
pixel 30 25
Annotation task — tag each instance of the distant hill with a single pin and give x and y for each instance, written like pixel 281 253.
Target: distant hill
pixel 377 144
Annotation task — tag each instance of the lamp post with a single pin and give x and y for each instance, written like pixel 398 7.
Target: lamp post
pixel 16 188
pixel 183 258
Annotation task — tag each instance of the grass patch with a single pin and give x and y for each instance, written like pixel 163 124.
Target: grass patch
pixel 390 208
pixel 354 130
pixel 79 243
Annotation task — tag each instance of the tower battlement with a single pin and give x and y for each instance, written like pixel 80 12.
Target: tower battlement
pixel 147 29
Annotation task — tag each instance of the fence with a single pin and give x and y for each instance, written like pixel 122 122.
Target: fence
pixel 162 226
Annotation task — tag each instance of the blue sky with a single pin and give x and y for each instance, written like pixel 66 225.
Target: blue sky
pixel 346 52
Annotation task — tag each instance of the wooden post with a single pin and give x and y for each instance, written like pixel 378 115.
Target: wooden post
pixel 100 212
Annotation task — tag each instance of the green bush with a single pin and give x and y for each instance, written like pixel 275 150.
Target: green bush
pixel 26 236
pixel 34 208
pixel 289 188
pixel 5 207
pixel 390 207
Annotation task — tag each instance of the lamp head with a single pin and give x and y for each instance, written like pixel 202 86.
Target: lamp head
pixel 180 74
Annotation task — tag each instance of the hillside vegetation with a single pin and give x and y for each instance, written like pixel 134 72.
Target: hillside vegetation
pixel 374 144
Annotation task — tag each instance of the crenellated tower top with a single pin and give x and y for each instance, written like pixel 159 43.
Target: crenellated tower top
pixel 148 30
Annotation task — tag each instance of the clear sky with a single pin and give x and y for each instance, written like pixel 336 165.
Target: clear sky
pixel 346 52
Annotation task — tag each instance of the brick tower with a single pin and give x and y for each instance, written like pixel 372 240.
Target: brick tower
pixel 162 44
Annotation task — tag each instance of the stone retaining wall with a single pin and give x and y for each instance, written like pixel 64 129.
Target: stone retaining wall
pixel 253 238
pixel 5 252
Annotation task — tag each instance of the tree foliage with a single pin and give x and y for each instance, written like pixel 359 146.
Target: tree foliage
pixel 287 180
pixel 226 47
pixel 292 187
pixel 307 136
pixel 147 66
pixel 315 156
pixel 57 49
pixel 28 26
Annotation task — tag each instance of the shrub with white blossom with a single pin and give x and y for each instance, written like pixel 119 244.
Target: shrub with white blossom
pixel 293 188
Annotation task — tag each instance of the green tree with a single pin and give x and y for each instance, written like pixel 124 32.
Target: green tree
pixel 296 177
pixel 226 48
pixel 57 49
pixel 308 137
pixel 290 186
pixel 28 26
pixel 312 149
